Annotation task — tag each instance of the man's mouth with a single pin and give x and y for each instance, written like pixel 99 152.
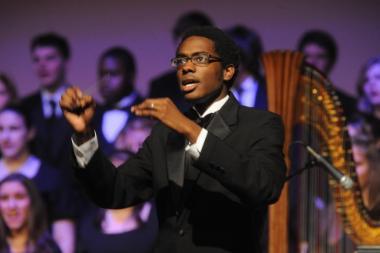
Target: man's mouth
pixel 189 84
pixel 43 74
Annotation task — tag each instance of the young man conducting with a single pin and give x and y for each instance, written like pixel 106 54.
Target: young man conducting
pixel 211 171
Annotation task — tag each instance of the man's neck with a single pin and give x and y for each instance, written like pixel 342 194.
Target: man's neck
pixel 213 108
pixel 212 98
pixel 54 87
pixel 116 99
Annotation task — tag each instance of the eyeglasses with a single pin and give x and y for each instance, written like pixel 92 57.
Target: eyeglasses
pixel 200 59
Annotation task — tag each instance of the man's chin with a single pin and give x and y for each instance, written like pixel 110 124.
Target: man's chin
pixel 192 97
pixel 196 98
pixel 47 84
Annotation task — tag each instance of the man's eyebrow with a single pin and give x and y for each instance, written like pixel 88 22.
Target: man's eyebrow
pixel 195 53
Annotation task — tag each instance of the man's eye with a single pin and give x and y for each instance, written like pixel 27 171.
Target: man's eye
pixel 180 61
pixel 200 58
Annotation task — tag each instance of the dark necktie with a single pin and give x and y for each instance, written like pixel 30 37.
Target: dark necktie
pixel 51 124
pixel 53 105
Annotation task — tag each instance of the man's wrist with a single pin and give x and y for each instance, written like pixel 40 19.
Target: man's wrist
pixel 82 137
pixel 192 132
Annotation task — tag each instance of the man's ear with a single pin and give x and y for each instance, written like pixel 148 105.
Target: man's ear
pixel 228 72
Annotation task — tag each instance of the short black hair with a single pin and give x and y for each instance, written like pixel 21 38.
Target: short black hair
pixel 250 46
pixel 189 20
pixel 124 56
pixel 225 47
pixel 322 39
pixel 21 110
pixel 52 39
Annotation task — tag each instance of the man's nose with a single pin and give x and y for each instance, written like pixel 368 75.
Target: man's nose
pixel 188 66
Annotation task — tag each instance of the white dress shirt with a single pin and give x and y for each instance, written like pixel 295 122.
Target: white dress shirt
pixel 56 97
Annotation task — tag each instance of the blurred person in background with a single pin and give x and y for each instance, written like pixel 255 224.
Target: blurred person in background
pixel 125 230
pixel 116 75
pixel 365 135
pixel 249 87
pixel 16 132
pixel 321 51
pixel 50 53
pixel 23 227
pixel 133 135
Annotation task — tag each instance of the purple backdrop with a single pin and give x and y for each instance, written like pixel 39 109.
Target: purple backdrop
pixel 145 28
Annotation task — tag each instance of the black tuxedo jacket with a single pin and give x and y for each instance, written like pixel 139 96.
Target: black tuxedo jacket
pixel 52 142
pixel 218 205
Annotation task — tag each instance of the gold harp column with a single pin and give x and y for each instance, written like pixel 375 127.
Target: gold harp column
pixel 282 71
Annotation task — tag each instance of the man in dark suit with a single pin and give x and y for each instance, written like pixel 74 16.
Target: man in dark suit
pixel 116 75
pixel 249 87
pixel 211 171
pixel 50 54
pixel 166 85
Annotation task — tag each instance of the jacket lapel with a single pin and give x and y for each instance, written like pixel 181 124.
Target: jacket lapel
pixel 225 118
pixel 176 158
pixel 220 126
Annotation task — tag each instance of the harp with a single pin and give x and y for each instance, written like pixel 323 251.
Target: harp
pixel 313 114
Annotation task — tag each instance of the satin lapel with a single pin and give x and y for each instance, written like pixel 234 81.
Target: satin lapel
pixel 220 126
pixel 176 158
pixel 223 121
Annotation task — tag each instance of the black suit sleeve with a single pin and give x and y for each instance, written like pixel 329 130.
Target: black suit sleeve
pixel 256 175
pixel 111 187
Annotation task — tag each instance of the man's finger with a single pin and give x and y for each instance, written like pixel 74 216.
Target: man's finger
pixel 146 113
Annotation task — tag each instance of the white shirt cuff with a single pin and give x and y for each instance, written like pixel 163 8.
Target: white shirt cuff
pixel 195 149
pixel 84 152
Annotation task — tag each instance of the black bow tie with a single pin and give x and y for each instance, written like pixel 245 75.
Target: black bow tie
pixel 205 121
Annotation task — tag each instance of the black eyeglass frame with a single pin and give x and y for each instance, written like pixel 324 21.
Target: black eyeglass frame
pixel 184 59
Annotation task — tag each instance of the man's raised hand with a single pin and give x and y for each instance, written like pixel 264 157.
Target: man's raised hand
pixel 164 110
pixel 78 109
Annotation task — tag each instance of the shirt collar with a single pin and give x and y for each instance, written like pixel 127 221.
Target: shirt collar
pixel 29 168
pixel 56 96
pixel 214 107
pixel 127 100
